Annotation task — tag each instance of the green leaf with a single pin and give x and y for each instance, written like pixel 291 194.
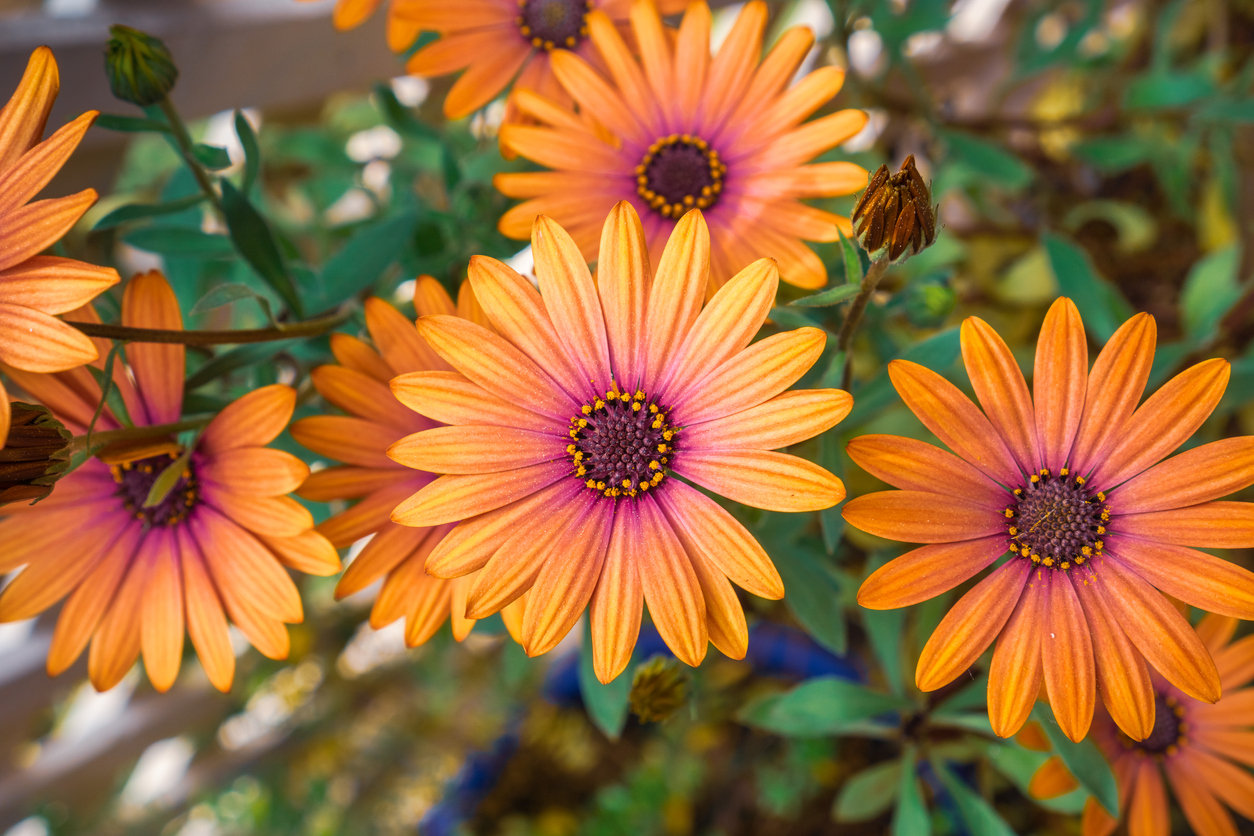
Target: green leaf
pixel 972 695
pixel 790 318
pixel 129 124
pixel 361 261
pixel 252 153
pixel 1113 154
pixel 1084 760
pixel 168 479
pixel 137 211
pixel 868 793
pixel 606 704
pixel 813 592
pixel 180 241
pixel 239 357
pixel 910 818
pixel 831 522
pixel 256 244
pixel 829 297
pixel 109 394
pixel 820 707
pixel 1104 308
pixel 399 117
pixel 938 352
pixel 994 163
pixel 225 294
pixel 1167 90
pixel 211 156
pixel 851 259
pixel 1209 291
pixel 981 819
pixel 884 629
pixel 1231 111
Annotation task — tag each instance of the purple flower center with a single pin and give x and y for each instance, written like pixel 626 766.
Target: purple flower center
pixel 1169 728
pixel 621 444
pixel 135 481
pixel 553 24
pixel 678 173
pixel 1056 521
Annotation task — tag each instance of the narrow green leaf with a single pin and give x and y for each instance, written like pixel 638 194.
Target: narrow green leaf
pixel 1104 309
pixel 256 244
pixel 981 819
pixel 938 352
pixel 910 818
pixel 252 153
pixel 138 211
pixel 813 595
pixel 830 457
pixel 852 260
pixel 606 704
pixel 1209 291
pixel 130 124
pixel 791 318
pixel 399 117
pixel 168 479
pixel 107 390
pixel 211 156
pixel 180 241
pixel 361 261
pixel 884 629
pixel 225 294
pixel 822 706
pixel 1084 760
pixel 972 695
pixel 995 163
pixel 868 793
pixel 829 297
pixel 237 358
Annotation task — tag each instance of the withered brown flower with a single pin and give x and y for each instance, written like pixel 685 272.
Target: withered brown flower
pixel 896 212
pixel 35 454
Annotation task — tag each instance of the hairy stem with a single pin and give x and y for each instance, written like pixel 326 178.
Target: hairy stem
pixel 184 140
pixel 308 328
pixel 854 317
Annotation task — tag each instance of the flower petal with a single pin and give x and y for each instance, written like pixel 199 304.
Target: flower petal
pixel 1115 385
pixel 448 397
pixel 483 80
pixel 618 602
pixel 391 545
pixel 1205 581
pixel 1233 785
pixel 256 471
pixel 953 419
pixel 1204 812
pixel 786 419
pixel 308 552
pixel 921 517
pixel 116 643
pixel 469 546
pixel 161 615
pixel 1164 421
pixel 671 588
pixel 206 620
pixel 1147 809
pixel 1198 475
pixel 566 582
pixel 570 296
pixel 1014 680
pixel 1059 382
pixel 36 342
pixel 676 294
pixel 970 627
pixel 159 367
pixel 367 516
pixel 1123 678
pixel 54 285
pixel 1211 525
pixel 352 353
pixel 1001 389
pixel 773 481
pixel 1052 780
pixel 733 66
pixel 928 571
pixel 458 497
pixel 475 449
pixel 725 618
pixel 623 281
pixel 361 395
pixel 235 557
pixel 398 340
pixel 276 516
pixel 1067 656
pixel 914 465
pixel 254 420
pixel 23 118
pixel 27 176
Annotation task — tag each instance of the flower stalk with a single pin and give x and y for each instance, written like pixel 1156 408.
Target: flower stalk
pixel 308 328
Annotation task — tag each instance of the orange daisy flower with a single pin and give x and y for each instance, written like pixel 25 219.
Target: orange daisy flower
pixel 35 288
pixel 376 420
pixel 214 547
pixel 1198 746
pixel 568 427
pixel 1072 486
pixel 494 41
pixel 679 129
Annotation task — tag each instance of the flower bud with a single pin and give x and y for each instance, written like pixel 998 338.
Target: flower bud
pixel 895 213
pixel 35 454
pixel 658 689
pixel 139 66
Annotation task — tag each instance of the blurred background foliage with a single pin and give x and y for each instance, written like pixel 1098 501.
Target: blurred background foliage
pixel 1102 150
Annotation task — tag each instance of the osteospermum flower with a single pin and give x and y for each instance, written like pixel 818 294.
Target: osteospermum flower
pixel 1071 484
pixel 494 41
pixel 570 427
pixel 35 288
pixel 1200 748
pixel 214 547
pixel 375 421
pixel 678 129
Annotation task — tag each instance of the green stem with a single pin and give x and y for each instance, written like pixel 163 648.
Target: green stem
pixel 184 140
pixel 308 328
pixel 852 319
pixel 103 439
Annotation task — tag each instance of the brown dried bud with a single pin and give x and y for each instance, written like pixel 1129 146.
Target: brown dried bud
pixel 36 454
pixel 658 689
pixel 896 212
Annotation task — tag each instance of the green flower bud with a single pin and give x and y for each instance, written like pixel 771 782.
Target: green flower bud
pixel 35 455
pixel 658 689
pixel 139 66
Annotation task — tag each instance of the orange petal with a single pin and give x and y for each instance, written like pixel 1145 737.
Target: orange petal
pixel 468 306
pixel 361 395
pixel 784 420
pixel 266 634
pixel 732 69
pixel 1233 710
pixel 1211 525
pixel 1233 785
pixel 459 497
pixel 59 567
pixel 1232 744
pixel 725 618
pixel 159 367
pixel 23 119
pixel 275 516
pixel 618 602
pixel 459 588
pixel 367 516
pixel 54 285
pixel 816 180
pixel 794 105
pixel 450 398
pixel 355 354
pixel 1204 812
pixel 597 97
pixel 1059 382
pixel 956 421
pixel 1014 680
pixel 928 571
pixel 1156 629
pixel 1198 475
pixel 692 58
pixel 308 552
pixel 724 327
pixel 1236 663
pixel 37 342
pixel 475 449
pixel 348 482
pixel 813 138
pixel 483 80
pixel 353 440
pixel 562 149
pixel 753 376
pixel 254 420
pixel 256 471
pixel 919 517
pixel 671 587
pixel 623 280
pixel 1216 631
pixel 1115 385
pixel 1208 582
pixel 677 293
pixel 475 540
pixel 237 559
pixel 970 627
pixel 566 582
pixel 349 14
pixel 28 175
pixel 82 610
pixel 1052 780
pixel 398 340
pixel 707 528
pixel 619 59
pixel 495 364
pixel 915 465
pixel 772 76
pixel 773 481
pixel 206 621
pixel 430 298
pixel 1123 678
pixel 1096 821
pixel 1147 810
pixel 116 643
pixel 1001 389
pixel 1164 421
pixel 654 45
pixel 1067 656
pixel 386 550
pixel 161 616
